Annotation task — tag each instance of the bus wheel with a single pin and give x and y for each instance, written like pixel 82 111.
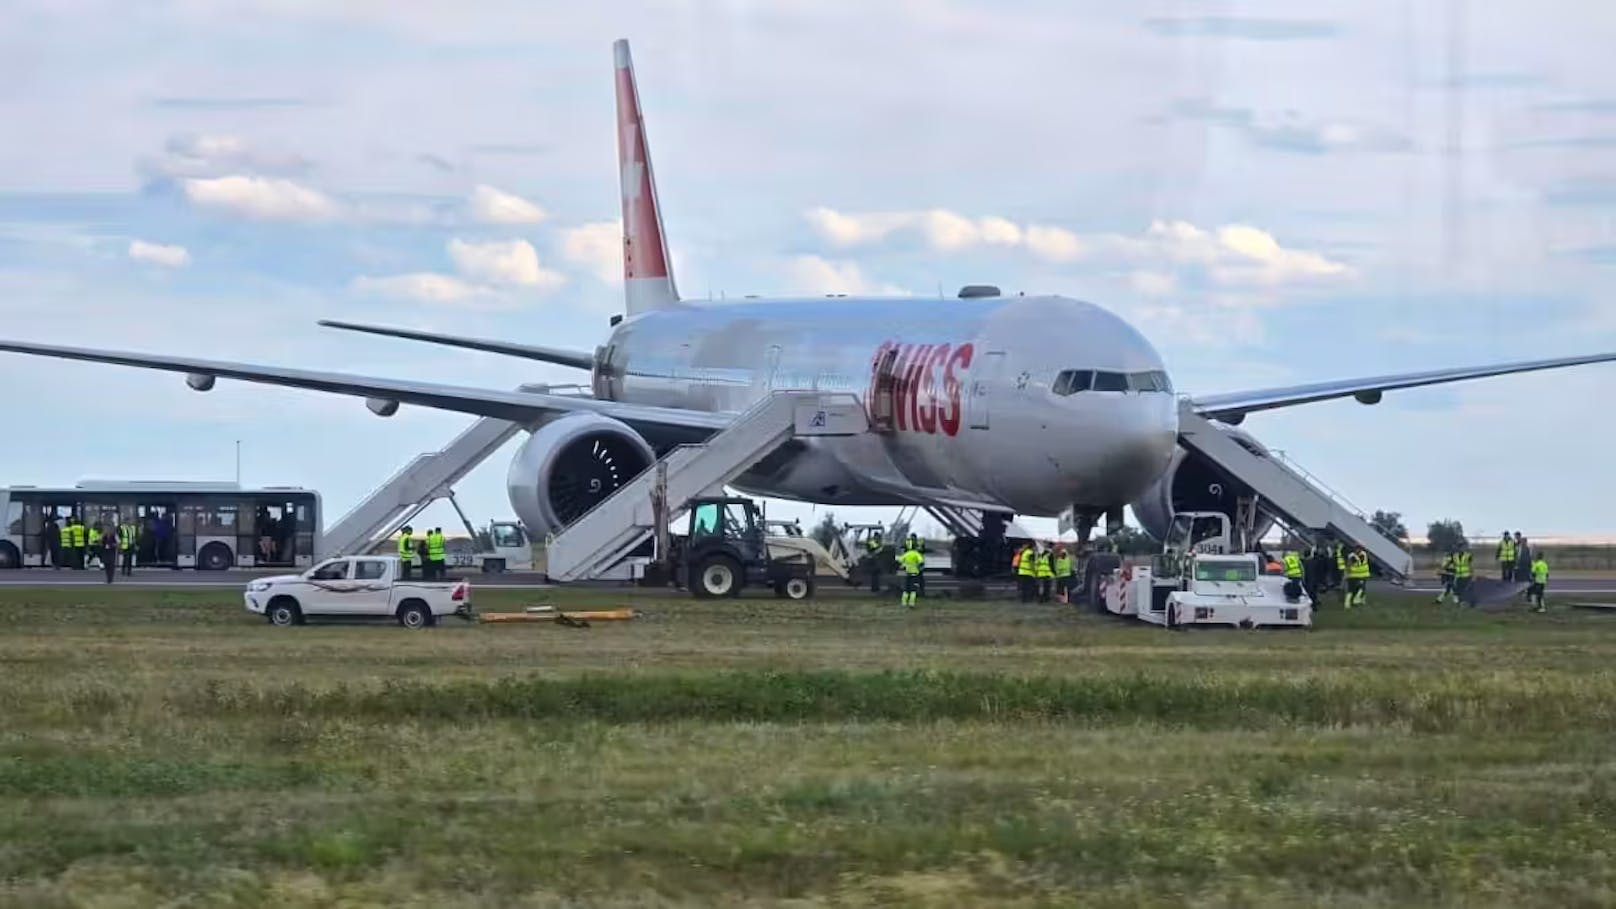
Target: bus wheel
pixel 214 557
pixel 9 558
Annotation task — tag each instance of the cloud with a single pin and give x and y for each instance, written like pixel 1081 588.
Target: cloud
pixel 436 162
pixel 1152 283
pixel 1289 132
pixel 1591 106
pixel 817 275
pixel 1596 141
pixel 228 104
pixel 597 246
pixel 423 286
pixel 1233 255
pixel 1242 28
pixel 1589 191
pixel 942 230
pixel 159 254
pixel 511 262
pixel 216 154
pixel 491 206
pixel 261 198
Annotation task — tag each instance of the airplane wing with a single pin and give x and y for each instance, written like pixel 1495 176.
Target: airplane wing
pixel 1237 404
pixel 575 358
pixel 516 406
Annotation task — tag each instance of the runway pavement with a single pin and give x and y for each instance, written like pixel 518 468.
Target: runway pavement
pixel 159 578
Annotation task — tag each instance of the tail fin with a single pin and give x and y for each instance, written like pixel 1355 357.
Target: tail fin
pixel 647 271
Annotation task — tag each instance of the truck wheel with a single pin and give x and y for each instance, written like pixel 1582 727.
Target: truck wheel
pixel 283 611
pixel 718 576
pixel 215 557
pixel 414 614
pixel 9 558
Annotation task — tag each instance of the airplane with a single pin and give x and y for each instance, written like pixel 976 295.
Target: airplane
pixel 980 406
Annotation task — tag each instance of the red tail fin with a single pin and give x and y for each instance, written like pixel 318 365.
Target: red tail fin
pixel 647 273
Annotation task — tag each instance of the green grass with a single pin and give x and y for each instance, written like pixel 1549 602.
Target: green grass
pixel 168 749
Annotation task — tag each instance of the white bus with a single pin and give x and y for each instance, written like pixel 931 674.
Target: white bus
pixel 206 526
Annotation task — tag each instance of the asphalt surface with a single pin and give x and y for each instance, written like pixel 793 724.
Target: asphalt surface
pixel 159 578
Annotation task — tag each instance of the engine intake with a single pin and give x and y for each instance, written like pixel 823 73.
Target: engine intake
pixel 1194 483
pixel 569 466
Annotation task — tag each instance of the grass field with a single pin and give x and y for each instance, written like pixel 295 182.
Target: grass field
pixel 168 749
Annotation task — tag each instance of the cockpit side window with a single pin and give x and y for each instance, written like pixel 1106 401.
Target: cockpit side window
pixel 1142 381
pixel 1110 381
pixel 1072 381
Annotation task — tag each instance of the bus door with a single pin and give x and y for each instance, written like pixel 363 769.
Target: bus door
pixel 159 544
pixel 275 527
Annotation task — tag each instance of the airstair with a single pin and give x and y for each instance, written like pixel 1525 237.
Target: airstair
pixel 607 533
pixel 1289 494
pixel 424 480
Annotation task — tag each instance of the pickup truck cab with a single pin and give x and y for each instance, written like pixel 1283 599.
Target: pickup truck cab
pixel 356 587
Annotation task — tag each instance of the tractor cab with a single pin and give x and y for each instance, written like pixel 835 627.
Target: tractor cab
pixel 726 549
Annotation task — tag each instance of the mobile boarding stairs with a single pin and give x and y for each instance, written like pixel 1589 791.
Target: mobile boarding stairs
pixel 1289 495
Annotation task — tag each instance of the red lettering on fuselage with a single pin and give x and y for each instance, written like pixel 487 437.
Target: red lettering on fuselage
pixel 919 403
pixel 949 419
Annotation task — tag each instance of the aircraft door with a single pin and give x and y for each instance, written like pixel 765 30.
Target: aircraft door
pixel 883 391
pixel 982 382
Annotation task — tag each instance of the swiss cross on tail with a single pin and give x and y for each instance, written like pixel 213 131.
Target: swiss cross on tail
pixel 647 277
pixel 916 387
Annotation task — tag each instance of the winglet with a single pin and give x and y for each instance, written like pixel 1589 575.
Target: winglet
pixel 647 272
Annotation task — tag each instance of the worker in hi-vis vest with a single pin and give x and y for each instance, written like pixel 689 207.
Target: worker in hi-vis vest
pixel 435 554
pixel 1540 581
pixel 913 563
pixel 406 551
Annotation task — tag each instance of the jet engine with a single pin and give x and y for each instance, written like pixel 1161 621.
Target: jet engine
pixel 571 464
pixel 1194 483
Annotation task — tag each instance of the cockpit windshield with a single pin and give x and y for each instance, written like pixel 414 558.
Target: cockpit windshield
pixel 1072 381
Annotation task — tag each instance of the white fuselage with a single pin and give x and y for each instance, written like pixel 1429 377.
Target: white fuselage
pixel 970 388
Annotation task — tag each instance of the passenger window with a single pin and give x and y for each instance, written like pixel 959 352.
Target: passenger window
pixel 370 571
pixel 1110 381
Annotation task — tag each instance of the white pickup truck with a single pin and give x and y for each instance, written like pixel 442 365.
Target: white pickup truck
pixel 355 587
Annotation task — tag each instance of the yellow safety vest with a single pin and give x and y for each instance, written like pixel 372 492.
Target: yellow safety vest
pixel 1447 564
pixel 1540 572
pixel 1358 566
pixel 1063 567
pixel 1024 565
pixel 406 548
pixel 1340 558
pixel 872 544
pixel 66 535
pixel 126 537
pixel 1044 568
pixel 912 561
pixel 78 536
pixel 434 546
pixel 1506 550
pixel 1461 564
pixel 95 537
pixel 1293 565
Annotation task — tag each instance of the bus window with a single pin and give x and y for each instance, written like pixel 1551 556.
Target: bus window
pixel 13 518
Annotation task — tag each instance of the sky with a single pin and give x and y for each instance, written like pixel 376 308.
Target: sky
pixel 1273 192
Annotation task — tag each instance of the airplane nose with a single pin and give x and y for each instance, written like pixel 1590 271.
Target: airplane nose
pixel 1142 447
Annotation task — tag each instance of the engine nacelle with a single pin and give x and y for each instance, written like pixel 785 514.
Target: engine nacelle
pixel 382 407
pixel 569 466
pixel 1193 483
pixel 200 381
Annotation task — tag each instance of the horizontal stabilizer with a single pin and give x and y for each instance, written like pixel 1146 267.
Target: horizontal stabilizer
pixel 561 357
